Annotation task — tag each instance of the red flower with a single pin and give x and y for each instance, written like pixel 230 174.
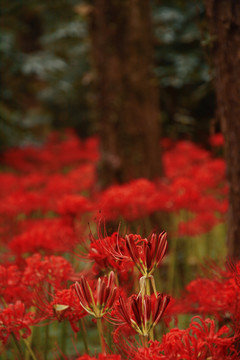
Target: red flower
pixel 147 253
pixel 130 200
pixel 14 319
pixel 142 313
pixel 200 341
pixel 100 301
pixel 49 235
pixel 9 276
pixel 72 205
pixel 106 260
pixel 63 306
pixel 218 295
pixel 55 270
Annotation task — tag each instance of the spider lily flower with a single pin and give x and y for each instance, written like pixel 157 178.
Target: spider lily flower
pixel 110 253
pixel 60 305
pixel 100 302
pixel 14 319
pixel 149 254
pixel 143 313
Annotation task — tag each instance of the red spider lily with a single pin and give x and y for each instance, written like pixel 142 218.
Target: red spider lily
pixel 55 155
pixel 99 302
pixel 200 341
pixel 146 254
pixel 14 319
pixel 149 254
pixel 104 260
pixel 71 205
pixel 218 295
pixel 130 200
pixel 210 296
pixel 54 270
pixel 59 237
pixel 200 224
pixel 63 305
pixel 11 287
pixel 142 313
pixel 9 276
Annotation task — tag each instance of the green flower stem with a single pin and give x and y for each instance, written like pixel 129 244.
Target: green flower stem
pixel 29 341
pixel 13 335
pixel 29 349
pixel 148 292
pixel 83 334
pixel 17 346
pixel 47 327
pixel 101 337
pixel 144 340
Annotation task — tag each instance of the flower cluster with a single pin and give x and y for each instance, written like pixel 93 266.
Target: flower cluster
pixel 200 341
pixel 59 179
pixel 218 295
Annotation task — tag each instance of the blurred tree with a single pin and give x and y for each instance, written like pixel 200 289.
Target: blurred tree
pixel 44 70
pixel 181 68
pixel 127 101
pixel 20 33
pixel 224 23
pixel 47 76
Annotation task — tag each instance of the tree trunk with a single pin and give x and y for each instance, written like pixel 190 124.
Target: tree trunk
pixel 224 22
pixel 127 98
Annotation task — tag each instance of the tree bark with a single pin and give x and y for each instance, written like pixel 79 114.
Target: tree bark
pixel 224 22
pixel 127 97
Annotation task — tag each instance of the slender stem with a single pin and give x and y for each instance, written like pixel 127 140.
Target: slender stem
pixel 83 334
pixel 17 346
pixel 109 337
pixel 101 337
pixel 148 292
pixel 29 340
pixel 144 340
pixel 27 353
pixel 148 287
pixel 154 286
pixel 135 277
pixel 29 349
pixel 47 327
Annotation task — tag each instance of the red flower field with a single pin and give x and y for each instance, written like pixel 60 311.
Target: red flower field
pixel 88 274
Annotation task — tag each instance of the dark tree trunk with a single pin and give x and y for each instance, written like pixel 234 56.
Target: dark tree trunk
pixel 127 98
pixel 224 22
